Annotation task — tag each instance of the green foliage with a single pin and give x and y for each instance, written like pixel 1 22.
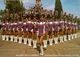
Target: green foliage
pixel 1 12
pixel 58 8
pixel 14 6
pixel 78 20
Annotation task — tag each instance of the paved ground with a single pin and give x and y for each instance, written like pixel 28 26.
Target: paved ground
pixel 66 49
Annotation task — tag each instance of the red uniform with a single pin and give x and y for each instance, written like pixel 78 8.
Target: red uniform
pixel 15 29
pixel 3 28
pixel 25 27
pixel 40 28
pixel 30 26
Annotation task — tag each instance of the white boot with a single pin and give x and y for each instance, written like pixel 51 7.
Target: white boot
pixel 75 35
pixel 72 36
pixel 42 51
pixel 34 43
pixel 29 42
pixel 20 39
pixel 45 43
pixel 56 40
pixel 51 42
pixel 25 40
pixel 15 38
pixel 65 38
pixel 7 37
pixel 3 37
pixel 11 37
pixel 61 39
pixel 69 37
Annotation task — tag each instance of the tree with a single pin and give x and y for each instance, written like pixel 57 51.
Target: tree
pixel 58 8
pixel 14 6
pixel 1 14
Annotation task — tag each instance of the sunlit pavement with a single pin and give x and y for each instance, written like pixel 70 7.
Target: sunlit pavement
pixel 66 49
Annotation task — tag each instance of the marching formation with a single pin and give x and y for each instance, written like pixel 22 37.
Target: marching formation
pixel 39 27
pixel 39 34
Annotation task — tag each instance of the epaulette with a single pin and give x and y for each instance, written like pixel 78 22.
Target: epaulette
pixel 32 30
pixel 24 23
pixel 50 22
pixel 69 23
pixel 11 24
pixel 43 22
pixel 15 23
pixel 29 22
pixel 7 23
pixel 20 22
pixel 61 21
pixel 35 22
pixel 56 22
pixel 40 23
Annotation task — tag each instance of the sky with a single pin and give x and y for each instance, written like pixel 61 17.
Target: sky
pixel 69 6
